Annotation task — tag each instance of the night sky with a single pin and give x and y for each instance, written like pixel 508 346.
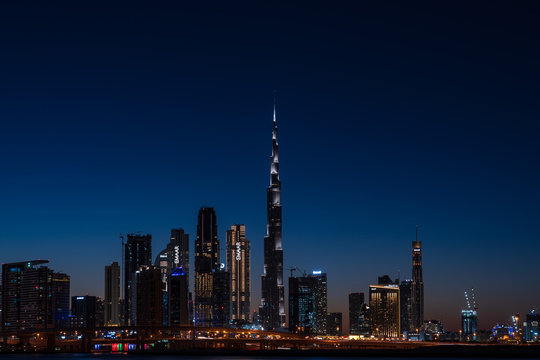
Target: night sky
pixel 390 114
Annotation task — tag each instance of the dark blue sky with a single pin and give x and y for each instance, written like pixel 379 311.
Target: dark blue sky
pixel 391 114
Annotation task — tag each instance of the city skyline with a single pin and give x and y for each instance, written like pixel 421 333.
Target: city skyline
pixel 382 127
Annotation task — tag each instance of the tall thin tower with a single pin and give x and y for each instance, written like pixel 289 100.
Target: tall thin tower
pixel 273 297
pixel 417 288
pixel 206 264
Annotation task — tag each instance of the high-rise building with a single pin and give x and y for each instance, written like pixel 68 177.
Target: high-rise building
pixel 27 296
pixel 221 298
pixel 384 307
pixel 175 254
pixel 83 311
pixel 469 325
pixel 60 299
pixel 334 324
pixel 147 297
pixel 137 253
pixel 112 294
pixel 308 304
pixel 531 329
pixel 272 308
pixel 405 303
pixel 206 263
pixel 417 286
pixel 238 265
pixel 356 300
pixel 178 309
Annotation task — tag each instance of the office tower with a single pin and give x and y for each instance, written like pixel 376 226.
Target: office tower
pixel 175 254
pixel 334 324
pixel 469 325
pixel 112 294
pixel 137 253
pixel 178 309
pixel 405 303
pixel 238 265
pixel 531 327
pixel 417 288
pixel 147 297
pixel 273 296
pixel 384 307
pixel 320 296
pixel 27 296
pixel 83 311
pixel 356 300
pixel 308 304
pixel 221 298
pixel 206 263
pixel 100 312
pixel 60 299
pixel 301 305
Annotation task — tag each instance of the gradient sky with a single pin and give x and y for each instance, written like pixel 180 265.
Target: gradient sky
pixel 117 119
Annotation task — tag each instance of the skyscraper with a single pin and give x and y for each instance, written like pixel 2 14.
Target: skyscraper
pixel 273 297
pixel 147 297
pixel 221 298
pixel 308 304
pixel 60 299
pixel 137 253
pixel 178 309
pixel 384 307
pixel 469 325
pixel 238 265
pixel 356 300
pixel 405 303
pixel 83 311
pixel 112 294
pixel 175 254
pixel 206 263
pixel 417 287
pixel 27 296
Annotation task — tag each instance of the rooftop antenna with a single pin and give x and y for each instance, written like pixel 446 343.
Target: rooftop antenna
pixel 274 105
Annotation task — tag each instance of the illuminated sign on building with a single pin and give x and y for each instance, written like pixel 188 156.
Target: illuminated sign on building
pixel 238 251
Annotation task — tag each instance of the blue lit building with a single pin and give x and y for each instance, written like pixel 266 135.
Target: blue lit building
pixel 469 325
pixel 531 330
pixel 178 310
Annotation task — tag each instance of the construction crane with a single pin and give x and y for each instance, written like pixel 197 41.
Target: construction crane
pixel 292 270
pixel 471 302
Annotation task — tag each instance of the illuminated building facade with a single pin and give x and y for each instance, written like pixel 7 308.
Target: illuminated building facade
pixel 308 304
pixel 112 295
pixel 60 299
pixel 178 310
pixel 238 265
pixel 417 286
pixel 469 325
pixel 83 311
pixel 137 253
pixel 206 263
pixel 531 328
pixel 384 307
pixel 272 309
pixel 27 296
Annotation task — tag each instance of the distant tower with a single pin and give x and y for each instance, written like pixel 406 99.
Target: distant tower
pixel 272 308
pixel 112 294
pixel 206 263
pixel 238 265
pixel 137 253
pixel 60 298
pixel 417 287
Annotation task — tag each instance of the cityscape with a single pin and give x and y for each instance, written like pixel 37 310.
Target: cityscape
pixel 269 178
pixel 156 295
